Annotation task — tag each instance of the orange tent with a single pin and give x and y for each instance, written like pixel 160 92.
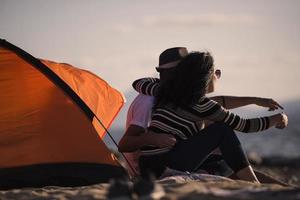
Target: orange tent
pixel 52 120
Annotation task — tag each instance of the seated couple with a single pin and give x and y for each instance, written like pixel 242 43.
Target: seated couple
pixel 173 124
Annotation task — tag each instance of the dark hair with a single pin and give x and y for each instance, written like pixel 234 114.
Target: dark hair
pixel 189 81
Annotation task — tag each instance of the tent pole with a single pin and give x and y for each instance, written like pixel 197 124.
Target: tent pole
pixel 115 144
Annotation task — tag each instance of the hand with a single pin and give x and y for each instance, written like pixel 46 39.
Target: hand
pixel 161 140
pixel 268 103
pixel 282 122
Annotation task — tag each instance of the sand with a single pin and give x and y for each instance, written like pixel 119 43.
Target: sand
pixel 193 186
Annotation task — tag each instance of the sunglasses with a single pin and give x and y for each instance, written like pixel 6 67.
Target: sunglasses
pixel 218 73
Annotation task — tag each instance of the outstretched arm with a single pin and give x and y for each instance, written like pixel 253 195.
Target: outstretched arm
pixel 231 102
pixel 211 110
pixel 149 86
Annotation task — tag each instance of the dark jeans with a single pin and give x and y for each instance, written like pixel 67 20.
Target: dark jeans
pixel 189 155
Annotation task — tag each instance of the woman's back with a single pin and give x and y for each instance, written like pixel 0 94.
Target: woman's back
pixel 176 121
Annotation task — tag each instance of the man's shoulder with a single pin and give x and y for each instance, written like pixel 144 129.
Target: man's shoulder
pixel 139 112
pixel 143 99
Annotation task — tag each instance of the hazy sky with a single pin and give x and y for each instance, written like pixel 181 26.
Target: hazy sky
pixel 255 43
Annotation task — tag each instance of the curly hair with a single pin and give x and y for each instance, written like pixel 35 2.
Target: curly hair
pixel 189 82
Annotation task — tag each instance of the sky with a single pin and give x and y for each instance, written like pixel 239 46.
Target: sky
pixel 255 43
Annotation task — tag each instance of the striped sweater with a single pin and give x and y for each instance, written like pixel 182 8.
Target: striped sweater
pixel 184 122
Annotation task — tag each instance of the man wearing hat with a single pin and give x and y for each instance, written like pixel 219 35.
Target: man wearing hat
pixel 139 115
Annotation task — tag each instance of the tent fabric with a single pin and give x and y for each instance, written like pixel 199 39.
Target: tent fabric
pixel 53 114
pixel 95 92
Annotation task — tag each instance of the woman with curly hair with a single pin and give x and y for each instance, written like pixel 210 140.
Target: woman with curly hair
pixel 180 108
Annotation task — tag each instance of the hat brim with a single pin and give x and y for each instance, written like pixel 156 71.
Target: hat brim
pixel 168 65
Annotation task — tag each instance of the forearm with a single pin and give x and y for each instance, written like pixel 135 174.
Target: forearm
pixel 132 143
pixel 146 86
pixel 252 125
pixel 231 102
pixel 213 111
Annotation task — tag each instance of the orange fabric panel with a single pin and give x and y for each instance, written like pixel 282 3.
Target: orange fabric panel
pixel 101 98
pixel 39 123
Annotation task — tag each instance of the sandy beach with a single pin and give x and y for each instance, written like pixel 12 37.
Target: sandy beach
pixel 194 186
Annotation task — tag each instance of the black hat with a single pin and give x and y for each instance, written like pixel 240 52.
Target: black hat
pixel 171 57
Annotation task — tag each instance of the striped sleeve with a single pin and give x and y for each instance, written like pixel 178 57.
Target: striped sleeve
pixel 211 110
pixel 146 86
